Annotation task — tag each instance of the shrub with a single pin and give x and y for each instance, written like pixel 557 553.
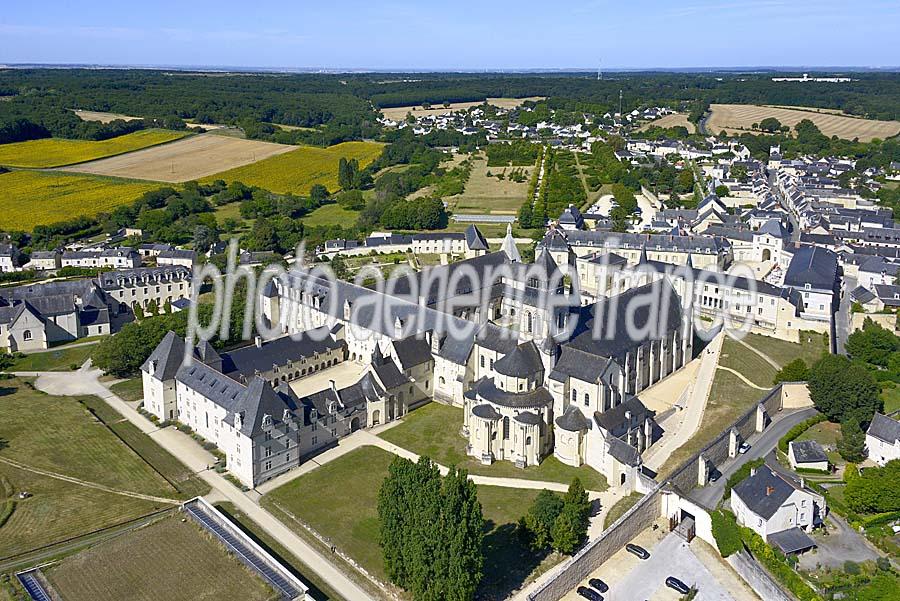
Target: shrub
pixel 776 563
pixel 797 430
pixel 741 473
pixel 725 531
pixel 6 510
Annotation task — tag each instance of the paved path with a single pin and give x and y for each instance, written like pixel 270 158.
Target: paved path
pixel 182 446
pixel 61 347
pixel 88 484
pixel 767 358
pixel 742 377
pixel 686 426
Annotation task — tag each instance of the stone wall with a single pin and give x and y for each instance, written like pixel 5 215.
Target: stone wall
pixel 576 569
pixel 888 321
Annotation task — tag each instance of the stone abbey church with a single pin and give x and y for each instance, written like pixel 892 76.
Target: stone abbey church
pixel 537 368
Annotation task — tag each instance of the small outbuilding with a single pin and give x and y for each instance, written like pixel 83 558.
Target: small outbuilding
pixel 807 455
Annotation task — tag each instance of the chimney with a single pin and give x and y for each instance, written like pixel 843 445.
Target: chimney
pixel 333 386
pixel 258 341
pixel 769 490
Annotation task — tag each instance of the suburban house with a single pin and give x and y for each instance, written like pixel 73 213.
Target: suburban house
pixel 777 508
pixel 9 258
pixel 807 455
pixel 117 258
pixel 883 439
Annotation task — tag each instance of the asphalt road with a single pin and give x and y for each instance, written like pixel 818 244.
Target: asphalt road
pixel 761 445
pixel 842 315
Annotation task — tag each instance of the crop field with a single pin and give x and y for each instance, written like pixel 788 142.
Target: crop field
pixel 188 159
pixel 33 198
pixel 485 194
pixel 671 121
pixel 168 559
pixel 56 152
pixel 738 118
pixel 296 171
pixel 102 117
pixel 398 113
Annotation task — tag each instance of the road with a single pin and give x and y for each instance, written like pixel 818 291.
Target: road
pixel 842 315
pixel 761 445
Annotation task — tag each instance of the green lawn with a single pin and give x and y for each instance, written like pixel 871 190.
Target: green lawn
pixel 171 559
pixel 59 359
pixel 891 398
pixel 317 587
pixel 825 433
pixel 433 430
pixel 129 390
pixel 810 348
pixel 620 507
pixel 743 360
pixel 331 214
pixel 351 520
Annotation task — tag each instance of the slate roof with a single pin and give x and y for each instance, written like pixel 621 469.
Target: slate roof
pixel 557 240
pixel 168 354
pixel 528 417
pixel 792 540
pixel 475 240
pixel 485 411
pixel 522 361
pixel 248 360
pixel 774 227
pixel 613 419
pixel 623 452
pixel 412 351
pixel 763 492
pixel 862 295
pixel 486 389
pixel 808 451
pixel 812 265
pixel 573 420
pixel 884 428
pixel 579 364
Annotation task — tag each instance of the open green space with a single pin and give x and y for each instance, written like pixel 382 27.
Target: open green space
pixel 811 347
pixel 331 214
pixel 59 359
pixel 890 395
pixel 171 559
pixel 433 430
pixel 751 365
pixel 620 507
pixel 129 390
pixel 349 518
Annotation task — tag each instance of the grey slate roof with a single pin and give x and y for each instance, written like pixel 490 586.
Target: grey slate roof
pixel 522 361
pixel 613 419
pixel 475 240
pixel 557 240
pixel 579 364
pixel 168 355
pixel 487 390
pixel 248 360
pixel 485 411
pixel 763 492
pixel 528 417
pixel 623 452
pixel 862 295
pixel 792 540
pixel 884 428
pixel 412 351
pixel 812 265
pixel 808 451
pixel 573 420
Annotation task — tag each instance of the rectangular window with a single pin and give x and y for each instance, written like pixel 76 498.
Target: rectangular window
pixel 268 465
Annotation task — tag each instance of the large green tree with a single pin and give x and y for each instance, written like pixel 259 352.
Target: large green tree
pixel 852 444
pixel 540 518
pixel 872 344
pixel 875 490
pixel 841 389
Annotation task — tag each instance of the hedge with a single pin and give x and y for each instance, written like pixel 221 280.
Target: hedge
pixel 798 430
pixel 726 532
pixel 776 563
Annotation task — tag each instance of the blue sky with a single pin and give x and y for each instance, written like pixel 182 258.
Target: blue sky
pixel 485 34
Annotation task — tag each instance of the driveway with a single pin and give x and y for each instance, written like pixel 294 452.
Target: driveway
pixel 841 544
pixel 761 443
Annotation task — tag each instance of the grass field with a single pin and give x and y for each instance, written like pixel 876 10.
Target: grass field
pixel 620 507
pixel 169 559
pixel 188 159
pixel 56 152
pixel 433 430
pixel 351 520
pixel 129 390
pixel 296 171
pixel 61 359
pixel 741 359
pixel 33 198
pixel 671 121
pixel 811 347
pixel 891 398
pixel 485 194
pixel 331 214
pixel 398 113
pixel 737 118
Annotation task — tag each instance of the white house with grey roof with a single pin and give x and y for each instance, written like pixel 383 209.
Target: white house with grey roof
pixel 807 455
pixel 883 439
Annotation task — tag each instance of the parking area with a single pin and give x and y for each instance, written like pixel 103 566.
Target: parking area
pixel 633 579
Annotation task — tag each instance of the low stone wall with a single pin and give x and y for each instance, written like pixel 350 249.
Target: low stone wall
pixel 754 575
pixel 576 569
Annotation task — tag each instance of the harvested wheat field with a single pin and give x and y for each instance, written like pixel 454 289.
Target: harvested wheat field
pixel 56 152
pixel 738 118
pixel 296 171
pixel 398 113
pixel 191 158
pixel 102 117
pixel 670 121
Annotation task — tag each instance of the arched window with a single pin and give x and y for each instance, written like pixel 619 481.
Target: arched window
pixel 587 399
pixel 574 396
pixel 529 322
pixel 442 380
pixel 26 335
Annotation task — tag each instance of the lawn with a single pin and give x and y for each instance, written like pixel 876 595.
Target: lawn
pixel 351 520
pixel 56 152
pixel 60 359
pixel 296 171
pixel 129 390
pixel 331 214
pixel 824 433
pixel 60 435
pixel 54 196
pixel 171 559
pixel 485 194
pixel 743 360
pixel 729 398
pixel 620 507
pixel 891 397
pixel 782 352
pixel 433 430
pixel 317 587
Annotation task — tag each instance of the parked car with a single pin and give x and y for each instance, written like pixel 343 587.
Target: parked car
pixel 589 593
pixel 714 475
pixel 598 584
pixel 638 551
pixel 678 585
pixel 743 448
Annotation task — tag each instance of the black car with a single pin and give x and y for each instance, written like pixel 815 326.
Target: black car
pixel 598 584
pixel 678 585
pixel 638 551
pixel 589 593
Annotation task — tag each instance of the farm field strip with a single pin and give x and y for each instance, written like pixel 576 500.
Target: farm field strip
pixel 670 121
pixel 399 112
pixel 301 167
pixel 41 197
pixel 191 158
pixel 737 118
pixel 58 152
pixel 492 195
pixel 101 116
